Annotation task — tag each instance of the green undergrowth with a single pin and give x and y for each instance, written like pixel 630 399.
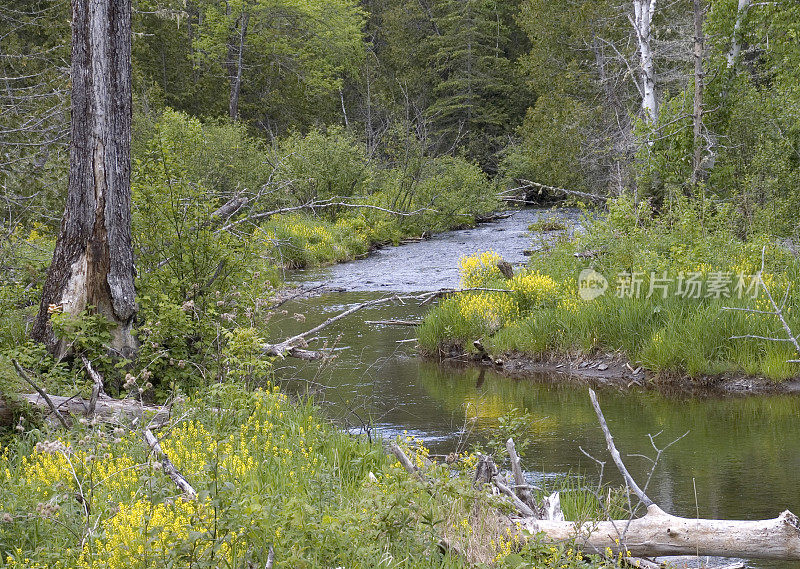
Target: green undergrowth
pixel 269 473
pixel 207 282
pixel 671 280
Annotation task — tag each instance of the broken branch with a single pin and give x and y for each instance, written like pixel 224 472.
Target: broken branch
pixel 612 449
pixel 169 468
pixel 41 392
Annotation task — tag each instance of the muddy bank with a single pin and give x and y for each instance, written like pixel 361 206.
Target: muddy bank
pixel 615 371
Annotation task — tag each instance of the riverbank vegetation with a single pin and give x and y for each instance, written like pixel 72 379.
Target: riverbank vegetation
pixel 287 134
pixel 679 294
pixel 269 475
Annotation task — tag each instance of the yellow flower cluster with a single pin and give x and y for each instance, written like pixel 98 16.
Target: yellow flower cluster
pixel 415 448
pixel 479 269
pixel 142 534
pixel 133 531
pixel 505 544
pixel 464 526
pixel 17 560
pixel 534 289
pixel 55 465
pixel 571 303
pixel 493 310
pixel 192 448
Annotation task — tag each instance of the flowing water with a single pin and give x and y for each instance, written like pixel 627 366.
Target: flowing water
pixel 740 459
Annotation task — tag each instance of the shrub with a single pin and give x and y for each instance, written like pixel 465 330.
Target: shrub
pixel 322 165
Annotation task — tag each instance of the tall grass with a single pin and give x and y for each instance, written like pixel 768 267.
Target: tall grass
pixel 269 474
pixel 683 335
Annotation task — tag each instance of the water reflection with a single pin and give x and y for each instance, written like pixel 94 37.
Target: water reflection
pixel 740 460
pixel 742 454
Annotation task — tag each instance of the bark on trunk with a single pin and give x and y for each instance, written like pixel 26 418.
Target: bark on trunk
pixel 658 533
pixel 736 40
pixel 236 67
pixel 699 79
pixel 642 19
pixel 93 259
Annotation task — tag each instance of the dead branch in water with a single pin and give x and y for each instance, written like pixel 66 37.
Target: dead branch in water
pixel 660 534
pixel 295 346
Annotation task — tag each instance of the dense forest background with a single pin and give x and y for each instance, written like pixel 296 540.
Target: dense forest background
pixel 287 133
pixel 553 92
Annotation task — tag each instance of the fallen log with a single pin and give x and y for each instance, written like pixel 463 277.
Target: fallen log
pixel 576 193
pixel 658 533
pixel 106 409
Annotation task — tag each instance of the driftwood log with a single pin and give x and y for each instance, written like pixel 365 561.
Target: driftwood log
pixel 106 409
pixel 658 533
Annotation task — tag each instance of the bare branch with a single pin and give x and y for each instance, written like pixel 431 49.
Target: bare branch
pixel 41 392
pixel 612 449
pixel 169 468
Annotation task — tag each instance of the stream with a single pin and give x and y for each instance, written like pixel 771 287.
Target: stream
pixel 740 459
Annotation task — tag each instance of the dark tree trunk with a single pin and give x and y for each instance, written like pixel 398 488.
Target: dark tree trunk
pixel 93 259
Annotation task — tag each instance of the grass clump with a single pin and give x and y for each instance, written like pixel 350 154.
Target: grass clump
pixel 546 225
pixel 669 279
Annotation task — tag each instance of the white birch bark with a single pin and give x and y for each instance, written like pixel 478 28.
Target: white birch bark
pixel 736 44
pixel 642 20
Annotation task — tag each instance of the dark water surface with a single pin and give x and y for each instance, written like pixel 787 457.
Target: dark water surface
pixel 741 458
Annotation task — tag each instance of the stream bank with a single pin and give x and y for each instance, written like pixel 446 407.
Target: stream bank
pixel 739 461
pixel 615 371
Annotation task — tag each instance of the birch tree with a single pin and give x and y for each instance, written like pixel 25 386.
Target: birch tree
pixel 736 39
pixel 642 21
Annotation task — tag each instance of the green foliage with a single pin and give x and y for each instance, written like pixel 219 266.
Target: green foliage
pixel 298 241
pixel 689 335
pixel 180 252
pixel 23 259
pixel 316 42
pixel 449 192
pixel 322 165
pixel 268 472
pixel 553 144
pixel 476 91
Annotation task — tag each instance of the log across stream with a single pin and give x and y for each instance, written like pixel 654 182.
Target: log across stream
pixel 741 459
